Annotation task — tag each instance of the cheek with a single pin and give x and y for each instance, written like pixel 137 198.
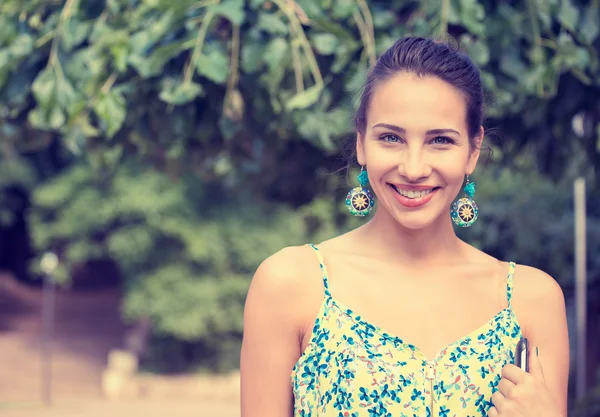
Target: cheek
pixel 380 161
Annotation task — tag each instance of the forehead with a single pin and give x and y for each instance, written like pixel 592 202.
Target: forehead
pixel 417 103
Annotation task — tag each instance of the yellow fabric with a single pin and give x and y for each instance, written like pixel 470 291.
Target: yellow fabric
pixel 353 368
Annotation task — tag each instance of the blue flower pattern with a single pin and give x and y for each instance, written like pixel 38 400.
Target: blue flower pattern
pixel 352 368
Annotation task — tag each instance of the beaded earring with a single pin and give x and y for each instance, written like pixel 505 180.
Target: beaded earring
pixel 464 211
pixel 359 200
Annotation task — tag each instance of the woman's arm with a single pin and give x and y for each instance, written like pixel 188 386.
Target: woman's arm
pixel 272 334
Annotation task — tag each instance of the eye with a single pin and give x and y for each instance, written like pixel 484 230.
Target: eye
pixel 390 138
pixel 441 140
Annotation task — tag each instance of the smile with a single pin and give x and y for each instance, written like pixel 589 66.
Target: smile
pixel 412 193
pixel 413 198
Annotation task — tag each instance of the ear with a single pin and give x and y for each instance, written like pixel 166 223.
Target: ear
pixel 360 149
pixel 476 152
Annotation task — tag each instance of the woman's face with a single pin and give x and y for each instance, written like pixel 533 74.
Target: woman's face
pixel 416 148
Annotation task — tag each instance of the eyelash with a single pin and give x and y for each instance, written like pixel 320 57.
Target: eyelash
pixel 384 137
pixel 447 140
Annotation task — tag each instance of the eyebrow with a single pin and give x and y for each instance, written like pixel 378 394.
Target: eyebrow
pixel 429 132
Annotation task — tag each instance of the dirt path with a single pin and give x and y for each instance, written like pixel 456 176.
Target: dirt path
pixel 90 408
pixel 87 327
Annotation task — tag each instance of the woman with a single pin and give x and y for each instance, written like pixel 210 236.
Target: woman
pixel 399 317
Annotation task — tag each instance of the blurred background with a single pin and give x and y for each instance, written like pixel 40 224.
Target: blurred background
pixel 154 152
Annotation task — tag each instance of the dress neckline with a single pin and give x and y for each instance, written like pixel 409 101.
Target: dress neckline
pixel 357 318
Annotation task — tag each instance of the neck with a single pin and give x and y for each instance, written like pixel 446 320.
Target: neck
pixel 434 244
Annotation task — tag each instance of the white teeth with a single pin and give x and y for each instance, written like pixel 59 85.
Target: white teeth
pixel 413 194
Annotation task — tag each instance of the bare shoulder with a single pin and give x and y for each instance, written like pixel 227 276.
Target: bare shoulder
pixel 286 270
pixel 536 287
pixel 288 280
pixel 538 299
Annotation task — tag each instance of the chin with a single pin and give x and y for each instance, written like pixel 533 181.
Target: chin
pixel 415 222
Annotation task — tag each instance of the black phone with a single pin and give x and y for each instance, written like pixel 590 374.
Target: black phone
pixel 522 354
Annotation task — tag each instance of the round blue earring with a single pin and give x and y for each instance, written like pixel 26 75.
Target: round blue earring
pixel 464 211
pixel 359 200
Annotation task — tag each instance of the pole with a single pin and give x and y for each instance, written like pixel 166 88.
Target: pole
pixel 48 265
pixel 580 287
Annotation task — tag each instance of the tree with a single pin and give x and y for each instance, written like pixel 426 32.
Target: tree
pixel 219 120
pixel 151 78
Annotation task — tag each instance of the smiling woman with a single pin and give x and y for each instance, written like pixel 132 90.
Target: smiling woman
pixel 394 325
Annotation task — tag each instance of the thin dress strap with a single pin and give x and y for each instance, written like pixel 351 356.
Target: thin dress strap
pixel 323 269
pixel 509 283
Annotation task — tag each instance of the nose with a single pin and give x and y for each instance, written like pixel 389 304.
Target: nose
pixel 413 164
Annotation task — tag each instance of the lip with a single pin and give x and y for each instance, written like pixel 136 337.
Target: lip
pixel 414 202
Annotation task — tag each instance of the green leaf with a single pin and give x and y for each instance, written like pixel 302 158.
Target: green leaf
pixel 312 8
pixel 511 64
pixel 154 64
pixel 472 15
pixel 232 10
pixel 74 33
pixel 120 55
pixel 255 4
pixel 91 61
pixel 21 46
pixel 343 55
pixel 214 66
pixel 111 109
pixel 37 118
pixel 103 36
pixel 16 94
pixel 453 12
pixel 47 119
pixel 384 20
pixel 275 52
pixel 590 28
pixel 8 28
pixel 322 23
pixel 569 54
pixel 324 43
pixel 141 42
pixel 4 73
pixel 162 26
pixel 342 9
pixel 568 15
pixel 322 127
pixel 66 96
pixel 182 93
pixel 271 23
pixel 478 51
pixel 75 140
pixel 44 87
pixel 252 56
pixel 5 58
pixel 356 81
pixel 304 98
pixel 83 123
pixel 56 118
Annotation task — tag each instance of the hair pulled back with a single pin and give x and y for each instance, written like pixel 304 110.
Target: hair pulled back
pixel 426 57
